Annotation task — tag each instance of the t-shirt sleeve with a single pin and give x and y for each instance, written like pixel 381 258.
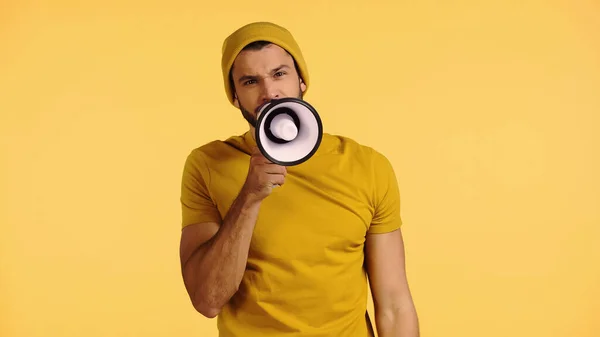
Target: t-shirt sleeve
pixel 386 195
pixel 197 206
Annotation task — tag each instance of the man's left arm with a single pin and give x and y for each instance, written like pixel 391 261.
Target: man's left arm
pixel 395 313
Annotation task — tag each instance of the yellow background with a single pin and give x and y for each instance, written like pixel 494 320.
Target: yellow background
pixel 488 110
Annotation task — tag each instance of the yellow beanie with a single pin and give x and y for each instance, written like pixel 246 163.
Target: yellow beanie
pixel 256 31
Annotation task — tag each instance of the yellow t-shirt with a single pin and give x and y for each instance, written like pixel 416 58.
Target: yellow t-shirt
pixel 305 273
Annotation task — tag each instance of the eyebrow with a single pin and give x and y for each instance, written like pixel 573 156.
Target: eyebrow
pixel 251 77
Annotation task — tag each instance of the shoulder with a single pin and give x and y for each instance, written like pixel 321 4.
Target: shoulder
pixel 209 154
pixel 216 149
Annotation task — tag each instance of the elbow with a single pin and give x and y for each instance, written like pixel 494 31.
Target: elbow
pixel 208 301
pixel 207 308
pixel 207 311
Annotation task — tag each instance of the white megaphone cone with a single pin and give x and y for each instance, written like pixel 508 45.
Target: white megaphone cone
pixel 288 131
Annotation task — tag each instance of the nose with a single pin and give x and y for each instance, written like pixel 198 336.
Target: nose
pixel 269 91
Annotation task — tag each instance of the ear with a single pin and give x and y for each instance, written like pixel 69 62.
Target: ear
pixel 302 85
pixel 236 102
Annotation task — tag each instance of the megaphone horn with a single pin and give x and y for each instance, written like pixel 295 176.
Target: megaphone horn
pixel 288 131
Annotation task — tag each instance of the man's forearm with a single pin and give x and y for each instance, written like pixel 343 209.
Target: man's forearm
pixel 218 266
pixel 397 323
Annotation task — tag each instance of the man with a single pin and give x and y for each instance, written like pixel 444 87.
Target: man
pixel 291 260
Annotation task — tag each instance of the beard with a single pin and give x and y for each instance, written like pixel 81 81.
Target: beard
pixel 251 117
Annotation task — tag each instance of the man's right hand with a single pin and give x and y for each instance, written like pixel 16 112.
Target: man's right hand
pixel 214 255
pixel 263 176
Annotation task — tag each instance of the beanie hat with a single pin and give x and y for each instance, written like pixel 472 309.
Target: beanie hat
pixel 256 31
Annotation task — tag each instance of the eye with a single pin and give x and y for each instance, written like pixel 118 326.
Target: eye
pixel 279 73
pixel 249 82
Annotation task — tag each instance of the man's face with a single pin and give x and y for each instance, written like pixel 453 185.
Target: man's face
pixel 262 75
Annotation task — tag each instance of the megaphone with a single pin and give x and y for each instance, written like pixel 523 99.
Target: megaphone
pixel 288 131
